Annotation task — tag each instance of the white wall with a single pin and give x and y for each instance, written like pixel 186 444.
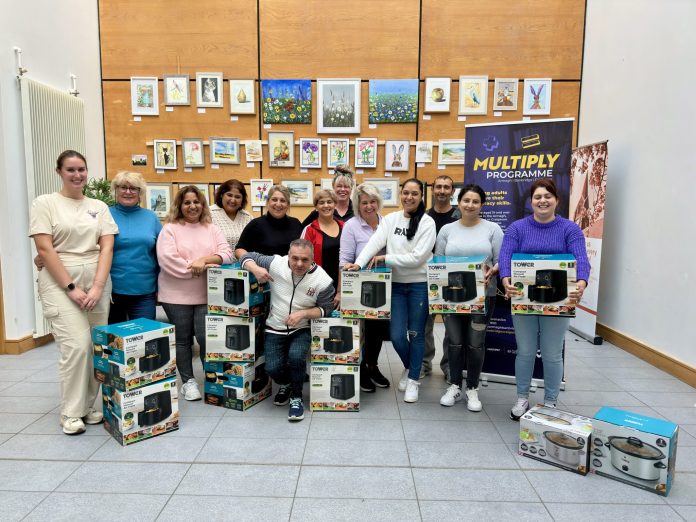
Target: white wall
pixel 57 39
pixel 638 90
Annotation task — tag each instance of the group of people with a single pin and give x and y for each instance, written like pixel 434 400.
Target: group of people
pixel 99 264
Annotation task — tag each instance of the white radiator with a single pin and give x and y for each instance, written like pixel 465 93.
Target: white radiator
pixel 54 121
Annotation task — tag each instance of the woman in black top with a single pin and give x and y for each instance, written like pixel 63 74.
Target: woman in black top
pixel 343 187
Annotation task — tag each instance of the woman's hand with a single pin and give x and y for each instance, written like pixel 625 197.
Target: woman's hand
pixel 492 272
pixel 199 266
pixel 78 297
pixel 39 262
pixel 92 297
pixel 351 266
pixel 337 300
pixel 377 261
pixel 579 290
pixel 510 291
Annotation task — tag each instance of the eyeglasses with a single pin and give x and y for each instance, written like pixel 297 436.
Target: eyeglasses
pixel 125 188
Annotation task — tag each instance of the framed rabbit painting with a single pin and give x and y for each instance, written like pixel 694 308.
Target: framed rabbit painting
pixel 396 155
pixel 537 96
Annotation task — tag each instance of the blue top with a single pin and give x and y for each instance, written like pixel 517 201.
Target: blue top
pixel 134 267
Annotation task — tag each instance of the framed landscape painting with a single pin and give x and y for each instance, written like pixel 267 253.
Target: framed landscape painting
pixel 301 191
pixel 253 150
pixel 388 188
pixel 451 152
pixel 286 101
pixel 224 150
pixel 158 198
pixel 393 101
pixel 424 152
pixel 338 106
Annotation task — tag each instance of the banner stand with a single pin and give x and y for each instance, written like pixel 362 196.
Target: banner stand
pixel 594 339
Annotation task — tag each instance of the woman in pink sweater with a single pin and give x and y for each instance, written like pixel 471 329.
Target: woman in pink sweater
pixel 188 244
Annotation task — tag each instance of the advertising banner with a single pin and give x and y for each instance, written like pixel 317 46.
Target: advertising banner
pixel 505 159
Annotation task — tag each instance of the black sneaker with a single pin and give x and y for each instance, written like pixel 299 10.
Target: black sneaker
pixel 283 395
pixel 378 379
pixel 365 381
pixel 296 411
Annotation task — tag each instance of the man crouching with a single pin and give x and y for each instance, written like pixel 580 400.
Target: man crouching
pixel 300 291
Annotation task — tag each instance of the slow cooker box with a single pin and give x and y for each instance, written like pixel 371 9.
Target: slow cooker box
pixel 233 291
pixel 634 449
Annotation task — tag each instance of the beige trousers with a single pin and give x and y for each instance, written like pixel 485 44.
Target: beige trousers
pixel 71 329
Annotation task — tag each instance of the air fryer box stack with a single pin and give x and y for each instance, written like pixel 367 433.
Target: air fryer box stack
pixel 366 294
pixel 556 437
pixel 334 387
pixel 233 339
pixel 456 285
pixel 236 386
pixel 233 291
pixel 133 354
pixel 336 340
pixel 544 282
pixel 135 415
pixel 634 449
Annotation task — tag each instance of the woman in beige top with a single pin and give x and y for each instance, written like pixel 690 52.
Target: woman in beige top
pixel 74 235
pixel 228 211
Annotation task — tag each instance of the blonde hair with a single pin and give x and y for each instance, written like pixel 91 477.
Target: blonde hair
pixel 278 188
pixel 134 179
pixel 343 175
pixel 368 190
pixel 325 193
pixel 176 216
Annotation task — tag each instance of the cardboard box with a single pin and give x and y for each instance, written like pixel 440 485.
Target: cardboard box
pixel 132 416
pixel 336 340
pixel 233 291
pixel 334 387
pixel 236 339
pixel 456 285
pixel 556 437
pixel 634 449
pixel 134 354
pixel 237 386
pixel 544 282
pixel 366 294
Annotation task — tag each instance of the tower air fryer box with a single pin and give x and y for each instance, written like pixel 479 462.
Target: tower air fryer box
pixel 237 386
pixel 233 291
pixel 134 354
pixel 334 387
pixel 366 294
pixel 456 284
pixel 132 416
pixel 544 282
pixel 336 340
pixel 634 449
pixel 236 339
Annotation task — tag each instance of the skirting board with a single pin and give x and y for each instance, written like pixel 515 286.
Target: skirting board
pixel 17 346
pixel 667 363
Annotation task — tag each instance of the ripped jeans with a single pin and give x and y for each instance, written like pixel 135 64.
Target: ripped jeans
pixel 409 311
pixel 467 334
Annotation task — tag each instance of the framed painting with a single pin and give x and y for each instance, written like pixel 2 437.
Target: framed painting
pixel 326 183
pixel 192 152
pixel 165 154
pixel 337 152
pixel 473 95
pixel 301 191
pixel 286 101
pixel 366 153
pixel 437 94
pixel 258 189
pixel 144 96
pixel 396 155
pixel 451 152
pixel 176 89
pixel 224 150
pixel 242 97
pixel 388 188
pixel 281 149
pixel 209 89
pixel 310 153
pixel 537 96
pixel 393 101
pixel 338 106
pixel 505 92
pixel 158 198
pixel 424 152
pixel 253 150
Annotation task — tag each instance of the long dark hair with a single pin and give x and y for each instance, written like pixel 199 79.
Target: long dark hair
pixel 418 214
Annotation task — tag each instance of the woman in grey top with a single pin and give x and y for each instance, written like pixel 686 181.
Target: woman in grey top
pixel 469 236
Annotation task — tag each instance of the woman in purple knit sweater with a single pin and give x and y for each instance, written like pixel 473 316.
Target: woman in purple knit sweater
pixel 541 233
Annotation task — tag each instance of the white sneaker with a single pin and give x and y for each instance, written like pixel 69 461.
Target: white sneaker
pixel 72 425
pixel 452 394
pixel 519 409
pixel 93 417
pixel 404 380
pixel 190 390
pixel 472 401
pixel 411 394
pixel 549 404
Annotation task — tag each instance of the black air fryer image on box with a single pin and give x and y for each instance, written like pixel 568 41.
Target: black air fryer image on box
pixel 373 294
pixel 237 337
pixel 157 407
pixel 342 386
pixel 234 291
pixel 550 286
pixel 461 287
pixel 156 354
pixel 340 339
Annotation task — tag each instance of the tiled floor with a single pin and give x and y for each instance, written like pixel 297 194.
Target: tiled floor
pixel 391 461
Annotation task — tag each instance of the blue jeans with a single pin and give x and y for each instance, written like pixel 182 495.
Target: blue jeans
pixel 188 320
pixel 128 307
pixel 409 311
pixel 286 358
pixel 546 333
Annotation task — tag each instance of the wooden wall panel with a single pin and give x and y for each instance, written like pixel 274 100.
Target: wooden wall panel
pixel 356 39
pixel 532 38
pixel 155 38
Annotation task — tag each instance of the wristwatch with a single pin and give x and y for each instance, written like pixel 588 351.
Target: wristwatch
pixel 70 287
